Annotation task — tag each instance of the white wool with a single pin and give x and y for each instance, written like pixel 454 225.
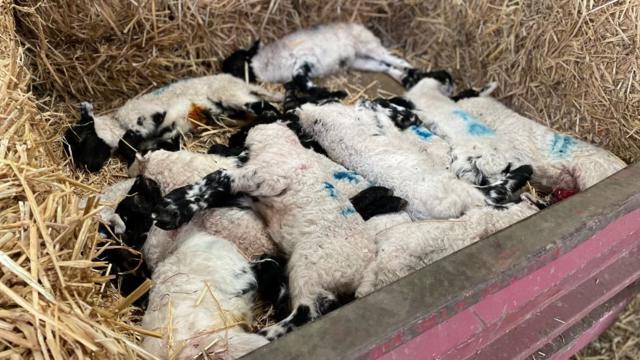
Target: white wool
pixel 206 92
pixel 368 142
pixel 214 93
pixel 380 223
pixel 202 299
pixel 172 170
pixel 108 129
pixel 404 248
pixel 486 136
pixel 327 49
pixel 558 160
pixel 316 225
pixel 109 199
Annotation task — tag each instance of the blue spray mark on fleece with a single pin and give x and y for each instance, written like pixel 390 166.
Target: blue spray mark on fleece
pixel 349 176
pixel 333 192
pixel 348 211
pixel 561 146
pixel 421 132
pixel 474 126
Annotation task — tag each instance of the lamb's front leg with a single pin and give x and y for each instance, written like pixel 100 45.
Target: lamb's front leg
pixel 218 189
pixel 179 206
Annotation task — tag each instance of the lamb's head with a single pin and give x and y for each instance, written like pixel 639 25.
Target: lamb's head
pixel 136 208
pixel 81 141
pixel 439 80
pixel 238 64
pixel 144 118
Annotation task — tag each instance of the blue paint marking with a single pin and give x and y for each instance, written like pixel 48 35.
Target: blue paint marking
pixel 349 176
pixel 333 192
pixel 561 145
pixel 475 127
pixel 346 212
pixel 421 132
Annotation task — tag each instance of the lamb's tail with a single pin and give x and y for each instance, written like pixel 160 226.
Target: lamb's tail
pixel 504 190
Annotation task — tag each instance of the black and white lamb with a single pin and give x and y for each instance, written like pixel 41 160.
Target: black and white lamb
pixel 369 143
pixel 126 218
pixel 313 223
pixel 156 119
pixel 240 225
pixel 486 137
pixel 202 301
pixel 315 52
pixel 405 248
pixel 559 161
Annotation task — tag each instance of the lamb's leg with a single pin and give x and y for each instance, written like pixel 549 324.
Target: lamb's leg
pixel 366 63
pixel 399 110
pixel 503 191
pixel 221 188
pixel 308 306
pixel 179 206
pixel 301 89
pixel 469 93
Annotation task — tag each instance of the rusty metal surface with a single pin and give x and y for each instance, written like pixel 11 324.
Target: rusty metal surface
pixel 425 300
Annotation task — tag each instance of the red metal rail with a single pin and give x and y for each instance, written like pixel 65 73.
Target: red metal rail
pixel 540 289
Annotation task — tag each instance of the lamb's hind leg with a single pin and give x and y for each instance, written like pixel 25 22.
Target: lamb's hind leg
pixel 470 93
pixel 306 309
pixel 367 63
pixel 503 191
pixel 302 90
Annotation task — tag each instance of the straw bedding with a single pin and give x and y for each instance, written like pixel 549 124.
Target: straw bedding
pixel 572 64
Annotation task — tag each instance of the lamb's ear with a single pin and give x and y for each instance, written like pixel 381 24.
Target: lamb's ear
pixel 158 117
pixel 257 45
pixel 86 112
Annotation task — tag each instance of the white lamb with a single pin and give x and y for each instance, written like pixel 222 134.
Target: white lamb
pixel 369 143
pixel 172 170
pixel 156 119
pixel 315 52
pixel 314 224
pixel 486 137
pixel 202 301
pixel 405 248
pixel 559 161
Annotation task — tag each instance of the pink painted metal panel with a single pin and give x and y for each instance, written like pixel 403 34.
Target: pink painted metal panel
pixel 597 328
pixel 476 327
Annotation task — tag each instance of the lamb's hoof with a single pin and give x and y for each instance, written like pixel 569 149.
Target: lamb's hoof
pixel 272 332
pixel 168 217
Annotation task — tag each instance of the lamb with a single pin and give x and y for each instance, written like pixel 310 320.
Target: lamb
pixel 405 248
pixel 486 137
pixel 315 52
pixel 368 142
pixel 560 162
pixel 202 301
pixel 368 201
pixel 312 222
pixel 412 130
pixel 156 119
pixel 239 225
pixel 127 225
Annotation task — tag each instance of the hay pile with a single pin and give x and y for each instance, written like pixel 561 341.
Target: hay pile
pixel 572 64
